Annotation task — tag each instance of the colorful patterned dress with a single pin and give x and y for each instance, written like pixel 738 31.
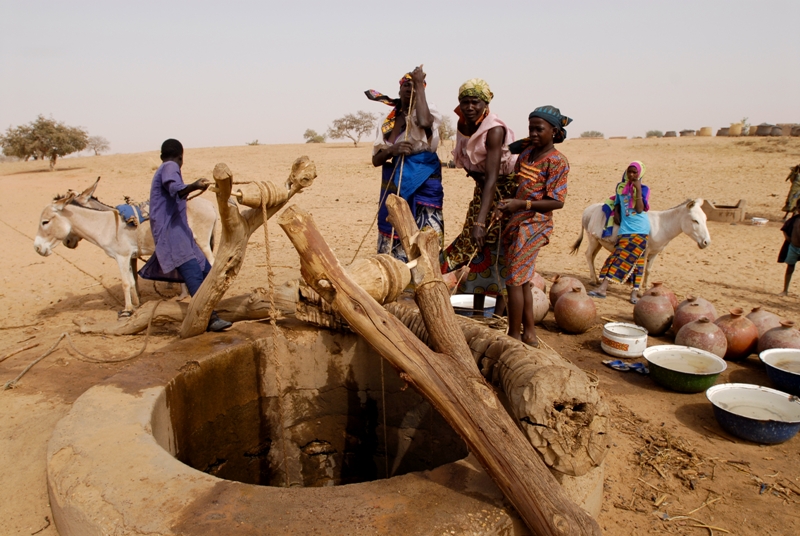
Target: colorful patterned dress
pixel 487 266
pixel 527 230
pixel 627 261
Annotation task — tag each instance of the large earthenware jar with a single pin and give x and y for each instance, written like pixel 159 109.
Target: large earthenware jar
pixel 784 336
pixel 703 334
pixel 659 286
pixel 561 285
pixel 764 320
pixel 711 312
pixel 654 313
pixel 575 311
pixel 691 311
pixel 741 334
pixel 538 282
pixel 541 305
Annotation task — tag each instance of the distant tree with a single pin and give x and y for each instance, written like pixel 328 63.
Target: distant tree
pixel 311 136
pixel 43 138
pixel 745 126
pixel 446 130
pixel 654 134
pixel 592 134
pixel 98 144
pixel 352 126
pixel 254 142
pixel 19 142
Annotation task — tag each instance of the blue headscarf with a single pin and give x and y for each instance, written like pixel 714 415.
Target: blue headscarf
pixel 552 115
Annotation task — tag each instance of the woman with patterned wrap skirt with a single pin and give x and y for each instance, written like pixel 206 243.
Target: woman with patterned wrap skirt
pixel 482 141
pixel 629 207
pixel 541 173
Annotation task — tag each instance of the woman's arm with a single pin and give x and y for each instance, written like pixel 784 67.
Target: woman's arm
pixel 389 151
pixel 638 200
pixel 421 111
pixel 543 205
pixel 494 146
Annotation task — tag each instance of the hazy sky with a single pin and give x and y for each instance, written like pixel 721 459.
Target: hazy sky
pixel 226 73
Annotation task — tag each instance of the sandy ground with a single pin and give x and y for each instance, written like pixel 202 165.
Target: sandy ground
pixel 41 297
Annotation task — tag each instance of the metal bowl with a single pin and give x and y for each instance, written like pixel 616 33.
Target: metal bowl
pixel 755 413
pixel 462 305
pixel 623 340
pixel 783 368
pixel 682 368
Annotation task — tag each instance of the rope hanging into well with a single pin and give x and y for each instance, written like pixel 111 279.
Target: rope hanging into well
pixel 267 190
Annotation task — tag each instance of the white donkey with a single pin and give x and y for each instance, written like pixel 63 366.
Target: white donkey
pixel 67 220
pixel 688 217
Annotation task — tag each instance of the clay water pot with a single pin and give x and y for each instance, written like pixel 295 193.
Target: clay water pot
pixel 562 284
pixel 784 336
pixel 703 334
pixel 692 309
pixel 654 313
pixel 539 282
pixel 764 320
pixel 575 311
pixel 541 305
pixel 659 286
pixel 712 312
pixel 741 334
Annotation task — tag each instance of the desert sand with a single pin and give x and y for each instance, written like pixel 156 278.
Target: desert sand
pixel 719 484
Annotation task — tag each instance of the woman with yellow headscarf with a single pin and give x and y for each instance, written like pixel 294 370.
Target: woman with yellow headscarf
pixel 482 141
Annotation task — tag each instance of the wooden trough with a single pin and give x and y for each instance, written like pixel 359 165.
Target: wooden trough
pixel 725 213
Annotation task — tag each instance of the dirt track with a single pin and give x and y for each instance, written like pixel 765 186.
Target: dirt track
pixel 41 297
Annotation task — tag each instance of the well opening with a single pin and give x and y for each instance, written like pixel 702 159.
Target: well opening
pixel 306 410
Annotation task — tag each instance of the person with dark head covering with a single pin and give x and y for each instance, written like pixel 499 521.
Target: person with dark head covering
pixel 405 148
pixel 481 149
pixel 541 173
pixel 177 257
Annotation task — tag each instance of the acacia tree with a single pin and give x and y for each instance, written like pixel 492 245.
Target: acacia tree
pixel 446 130
pixel 352 126
pixel 311 136
pixel 98 144
pixel 43 138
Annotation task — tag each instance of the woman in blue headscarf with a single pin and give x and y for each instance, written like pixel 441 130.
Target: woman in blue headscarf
pixel 630 205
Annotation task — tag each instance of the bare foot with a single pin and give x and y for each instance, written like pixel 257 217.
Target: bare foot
pixel 530 339
pixel 784 293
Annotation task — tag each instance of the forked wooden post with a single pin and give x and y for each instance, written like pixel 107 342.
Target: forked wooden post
pixel 236 230
pixel 452 384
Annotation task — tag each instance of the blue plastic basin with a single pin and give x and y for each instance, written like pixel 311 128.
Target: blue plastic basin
pixel 755 413
pixel 783 368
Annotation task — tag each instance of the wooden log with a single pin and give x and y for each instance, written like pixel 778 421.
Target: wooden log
pixel 253 306
pixel 236 230
pixel 556 404
pixel 453 386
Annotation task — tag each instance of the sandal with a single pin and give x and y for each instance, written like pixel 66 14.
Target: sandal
pixel 617 364
pixel 641 368
pixel 595 294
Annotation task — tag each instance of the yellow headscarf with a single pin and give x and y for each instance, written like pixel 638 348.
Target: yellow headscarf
pixel 476 87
